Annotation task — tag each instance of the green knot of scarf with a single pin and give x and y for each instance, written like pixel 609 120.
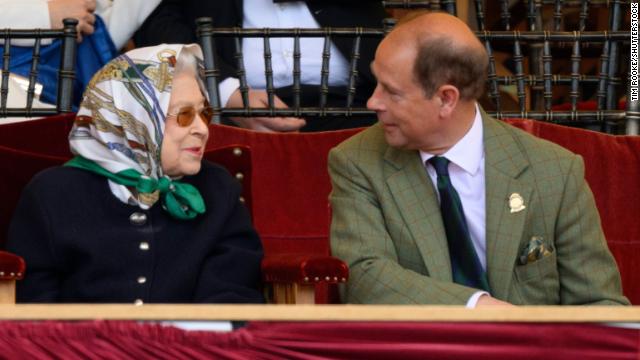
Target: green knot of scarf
pixel 180 200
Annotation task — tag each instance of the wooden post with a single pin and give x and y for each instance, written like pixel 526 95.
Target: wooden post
pixel 292 293
pixel 7 291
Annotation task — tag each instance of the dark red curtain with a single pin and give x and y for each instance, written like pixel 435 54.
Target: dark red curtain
pixel 318 340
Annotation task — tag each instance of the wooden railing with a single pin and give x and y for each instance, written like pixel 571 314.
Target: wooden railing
pixel 560 314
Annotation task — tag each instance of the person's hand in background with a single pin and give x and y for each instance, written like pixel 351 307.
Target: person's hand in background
pixel 259 99
pixel 82 10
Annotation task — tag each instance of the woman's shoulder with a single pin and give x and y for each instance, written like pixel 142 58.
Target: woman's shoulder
pixel 61 179
pixel 57 174
pixel 214 180
pixel 212 171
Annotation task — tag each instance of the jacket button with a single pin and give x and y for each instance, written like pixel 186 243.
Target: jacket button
pixel 141 280
pixel 138 218
pixel 144 246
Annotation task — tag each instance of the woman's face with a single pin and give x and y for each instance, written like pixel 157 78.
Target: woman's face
pixel 183 146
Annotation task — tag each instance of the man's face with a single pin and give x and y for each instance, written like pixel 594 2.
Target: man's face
pixel 409 118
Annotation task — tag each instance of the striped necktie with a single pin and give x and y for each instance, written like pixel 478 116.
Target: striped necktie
pixel 465 265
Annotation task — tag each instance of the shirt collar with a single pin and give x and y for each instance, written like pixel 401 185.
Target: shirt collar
pixel 469 151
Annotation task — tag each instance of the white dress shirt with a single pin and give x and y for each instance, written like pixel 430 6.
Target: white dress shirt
pixel 122 18
pixel 466 171
pixel 266 14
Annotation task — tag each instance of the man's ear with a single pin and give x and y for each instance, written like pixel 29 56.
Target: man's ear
pixel 448 96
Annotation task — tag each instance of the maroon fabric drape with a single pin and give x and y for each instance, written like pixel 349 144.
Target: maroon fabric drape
pixel 318 340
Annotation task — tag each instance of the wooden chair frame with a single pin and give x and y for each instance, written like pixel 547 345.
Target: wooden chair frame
pixel 536 83
pixel 66 73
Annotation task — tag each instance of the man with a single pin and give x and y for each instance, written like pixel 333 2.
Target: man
pixel 174 22
pixel 441 204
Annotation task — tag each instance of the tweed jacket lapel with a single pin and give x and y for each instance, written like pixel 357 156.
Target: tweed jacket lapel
pixel 416 199
pixel 505 161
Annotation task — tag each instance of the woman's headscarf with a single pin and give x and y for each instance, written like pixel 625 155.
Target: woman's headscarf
pixel 120 125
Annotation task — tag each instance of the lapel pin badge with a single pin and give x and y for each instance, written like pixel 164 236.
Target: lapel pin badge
pixel 516 203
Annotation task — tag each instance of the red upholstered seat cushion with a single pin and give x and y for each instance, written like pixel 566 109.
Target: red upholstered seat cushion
pixel 586 105
pixel 291 185
pixel 25 149
pixel 290 193
pixel 11 266
pixel 43 136
pixel 300 269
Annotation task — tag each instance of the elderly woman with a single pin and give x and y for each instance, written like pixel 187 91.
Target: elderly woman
pixel 137 216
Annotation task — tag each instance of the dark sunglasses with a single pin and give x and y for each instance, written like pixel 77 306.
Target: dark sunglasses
pixel 185 115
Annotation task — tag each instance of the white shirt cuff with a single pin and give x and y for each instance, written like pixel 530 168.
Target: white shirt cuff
pixel 226 88
pixel 473 300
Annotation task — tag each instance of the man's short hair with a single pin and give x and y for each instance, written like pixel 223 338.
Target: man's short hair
pixel 439 61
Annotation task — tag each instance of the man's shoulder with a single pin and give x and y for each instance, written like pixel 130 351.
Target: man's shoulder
pixel 538 150
pixel 369 142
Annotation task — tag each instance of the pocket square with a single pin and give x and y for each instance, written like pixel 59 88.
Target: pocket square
pixel 535 250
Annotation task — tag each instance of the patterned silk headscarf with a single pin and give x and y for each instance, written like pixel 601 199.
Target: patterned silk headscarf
pixel 120 125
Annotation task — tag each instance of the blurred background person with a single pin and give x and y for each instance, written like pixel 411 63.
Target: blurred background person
pixel 174 22
pixel 104 27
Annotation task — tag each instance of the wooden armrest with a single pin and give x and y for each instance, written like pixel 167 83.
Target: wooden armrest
pixel 293 277
pixel 11 266
pixel 304 269
pixel 11 269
